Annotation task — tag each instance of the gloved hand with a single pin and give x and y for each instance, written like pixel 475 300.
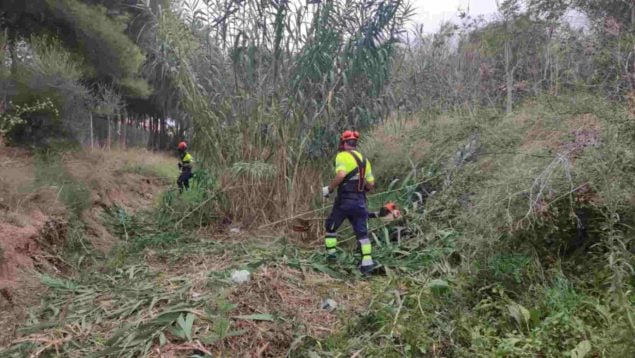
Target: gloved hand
pixel 325 192
pixel 392 216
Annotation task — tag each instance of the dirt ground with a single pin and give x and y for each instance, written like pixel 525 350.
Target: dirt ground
pixel 33 221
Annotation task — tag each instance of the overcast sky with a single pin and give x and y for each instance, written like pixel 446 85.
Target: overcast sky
pixel 433 12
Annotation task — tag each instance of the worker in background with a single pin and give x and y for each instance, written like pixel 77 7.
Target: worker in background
pixel 353 177
pixel 185 166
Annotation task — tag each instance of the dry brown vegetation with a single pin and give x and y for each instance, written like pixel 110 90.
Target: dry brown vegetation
pixel 34 220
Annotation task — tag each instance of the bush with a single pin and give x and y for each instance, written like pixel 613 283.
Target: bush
pixel 192 208
pixel 50 102
pixel 19 121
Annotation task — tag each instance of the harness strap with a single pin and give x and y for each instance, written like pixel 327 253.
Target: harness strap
pixel 361 170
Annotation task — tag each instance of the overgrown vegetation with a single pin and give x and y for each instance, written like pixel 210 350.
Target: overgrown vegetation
pixel 172 222
pixel 508 144
pixel 473 271
pixel 539 250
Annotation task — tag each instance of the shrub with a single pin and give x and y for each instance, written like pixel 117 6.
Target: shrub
pixel 49 99
pixel 195 207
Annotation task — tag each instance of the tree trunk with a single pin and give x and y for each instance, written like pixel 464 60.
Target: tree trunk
pixel 108 139
pixel 157 133
pixel 150 131
pixel 118 120
pixel 556 76
pixel 162 135
pixel 92 133
pixel 509 74
pixel 125 129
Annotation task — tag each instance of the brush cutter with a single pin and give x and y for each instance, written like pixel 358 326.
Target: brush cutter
pixel 388 213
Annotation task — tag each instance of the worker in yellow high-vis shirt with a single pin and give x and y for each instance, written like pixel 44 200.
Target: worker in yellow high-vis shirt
pixel 353 177
pixel 185 166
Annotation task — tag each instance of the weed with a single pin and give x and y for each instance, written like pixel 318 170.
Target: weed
pixel 194 207
pixel 509 266
pixel 561 298
pixel 76 241
pixel 140 231
pixel 118 257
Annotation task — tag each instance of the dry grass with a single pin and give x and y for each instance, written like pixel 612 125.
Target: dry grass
pixel 538 138
pixel 256 197
pixel 33 218
pixel 258 318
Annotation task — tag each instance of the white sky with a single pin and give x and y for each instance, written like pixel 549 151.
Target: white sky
pixel 431 13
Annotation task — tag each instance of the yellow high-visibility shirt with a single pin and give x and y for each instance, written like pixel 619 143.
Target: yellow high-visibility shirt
pixel 346 163
pixel 186 160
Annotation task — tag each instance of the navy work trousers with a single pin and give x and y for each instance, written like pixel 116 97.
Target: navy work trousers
pixel 353 209
pixel 184 180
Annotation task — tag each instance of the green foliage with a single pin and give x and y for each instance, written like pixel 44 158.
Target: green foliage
pixel 196 207
pixel 104 43
pixel 136 87
pixel 508 267
pixel 61 50
pixel 537 289
pixel 13 117
pixel 51 58
pixel 48 81
pixel 165 226
pixel 561 298
pixel 140 231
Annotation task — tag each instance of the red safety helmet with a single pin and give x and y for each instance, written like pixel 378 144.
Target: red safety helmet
pixel 182 146
pixel 349 135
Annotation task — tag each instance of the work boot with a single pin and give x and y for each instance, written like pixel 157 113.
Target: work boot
pixel 331 257
pixel 366 270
